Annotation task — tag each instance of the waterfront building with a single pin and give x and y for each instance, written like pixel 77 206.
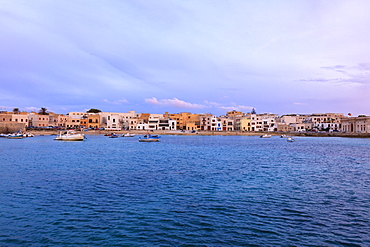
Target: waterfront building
pixel 53 119
pixel 205 121
pixel 216 124
pixel 157 122
pixel 38 120
pixel 110 121
pixel 326 121
pixel 12 122
pixel 6 117
pixel 186 121
pixel 356 124
pixel 245 123
pixel 262 122
pixel 283 127
pixel 93 120
pixel 66 121
pixel 227 124
pixel 21 117
pixel 180 119
pixel 129 120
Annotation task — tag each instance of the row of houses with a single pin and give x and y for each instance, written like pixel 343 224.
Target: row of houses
pixel 232 121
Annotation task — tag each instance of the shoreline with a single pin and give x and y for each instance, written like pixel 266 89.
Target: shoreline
pixel 208 133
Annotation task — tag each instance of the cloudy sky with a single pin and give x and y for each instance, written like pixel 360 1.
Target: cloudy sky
pixel 201 56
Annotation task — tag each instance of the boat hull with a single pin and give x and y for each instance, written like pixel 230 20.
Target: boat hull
pixel 69 139
pixel 15 137
pixel 70 136
pixel 148 140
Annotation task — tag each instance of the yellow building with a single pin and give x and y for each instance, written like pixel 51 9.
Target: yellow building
pixel 93 121
pixel 181 119
pixel 186 120
pixel 246 124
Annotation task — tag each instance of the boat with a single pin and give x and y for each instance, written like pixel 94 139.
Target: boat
pixel 15 136
pixel 3 135
pixel 128 135
pixel 290 139
pixel 149 138
pixel 113 136
pixel 265 136
pixel 28 135
pixel 69 135
pixel 284 136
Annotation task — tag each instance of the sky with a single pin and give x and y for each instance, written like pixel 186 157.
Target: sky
pixel 199 56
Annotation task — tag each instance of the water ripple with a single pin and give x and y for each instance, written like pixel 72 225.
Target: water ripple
pixel 185 191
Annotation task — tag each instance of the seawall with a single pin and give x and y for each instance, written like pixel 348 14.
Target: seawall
pixel 12 127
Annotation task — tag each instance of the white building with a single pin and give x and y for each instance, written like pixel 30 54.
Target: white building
pixel 157 122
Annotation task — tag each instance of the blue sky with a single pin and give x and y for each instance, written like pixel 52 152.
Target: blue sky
pixel 201 56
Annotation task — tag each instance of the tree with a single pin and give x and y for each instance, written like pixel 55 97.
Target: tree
pixel 253 111
pixel 93 110
pixel 16 110
pixel 361 115
pixel 43 111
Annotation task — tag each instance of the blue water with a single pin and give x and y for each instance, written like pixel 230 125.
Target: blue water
pixel 185 191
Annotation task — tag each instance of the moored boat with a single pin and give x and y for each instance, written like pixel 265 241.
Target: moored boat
pixel 149 138
pixel 265 136
pixel 128 135
pixel 28 135
pixel 290 139
pixel 15 136
pixel 69 135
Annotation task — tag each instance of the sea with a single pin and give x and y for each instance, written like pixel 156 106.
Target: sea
pixel 185 191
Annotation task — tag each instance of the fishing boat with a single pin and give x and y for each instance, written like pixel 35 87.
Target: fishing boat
pixel 15 136
pixel 149 138
pixel 128 135
pixel 113 135
pixel 265 136
pixel 69 135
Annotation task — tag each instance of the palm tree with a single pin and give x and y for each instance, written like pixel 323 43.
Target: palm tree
pixel 16 110
pixel 43 111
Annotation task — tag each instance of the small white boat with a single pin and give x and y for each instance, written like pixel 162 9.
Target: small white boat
pixel 69 135
pixel 265 136
pixel 28 135
pixel 149 138
pixel 290 139
pixel 284 136
pixel 128 135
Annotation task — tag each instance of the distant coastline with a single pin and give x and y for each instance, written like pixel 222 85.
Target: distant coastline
pixel 210 133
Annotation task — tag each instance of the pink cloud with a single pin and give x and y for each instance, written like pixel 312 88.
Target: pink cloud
pixel 174 103
pixel 117 102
